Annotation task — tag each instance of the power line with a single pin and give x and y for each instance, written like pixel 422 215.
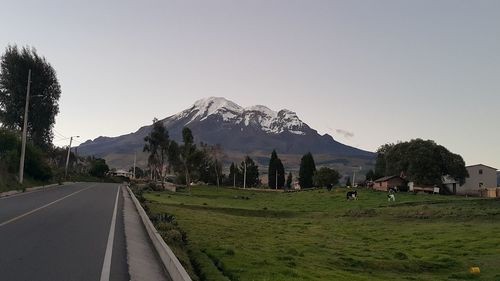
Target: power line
pixel 60 135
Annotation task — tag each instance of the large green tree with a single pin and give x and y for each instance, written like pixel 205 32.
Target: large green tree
pixel 234 177
pixel 325 176
pixel 307 170
pixel 421 161
pixel 157 144
pixel 44 91
pixel 98 168
pixel 189 155
pixel 252 172
pixel 276 171
pixel 36 165
pixel 210 166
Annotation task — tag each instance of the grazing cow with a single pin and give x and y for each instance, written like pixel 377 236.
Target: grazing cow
pixel 352 195
pixel 391 197
pixel 393 189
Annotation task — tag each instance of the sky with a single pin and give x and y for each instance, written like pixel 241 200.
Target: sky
pixel 366 72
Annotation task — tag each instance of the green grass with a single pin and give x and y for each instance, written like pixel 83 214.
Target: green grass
pixel 318 235
pixel 9 182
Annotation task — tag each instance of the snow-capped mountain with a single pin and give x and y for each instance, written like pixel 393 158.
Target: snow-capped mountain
pixel 217 120
pixel 257 116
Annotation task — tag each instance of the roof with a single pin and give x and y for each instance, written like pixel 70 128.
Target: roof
pixel 481 165
pixel 387 178
pixel 447 179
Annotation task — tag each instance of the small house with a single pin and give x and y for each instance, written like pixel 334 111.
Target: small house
pixel 385 183
pixel 450 184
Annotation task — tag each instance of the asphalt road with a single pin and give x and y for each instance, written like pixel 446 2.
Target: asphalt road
pixel 64 234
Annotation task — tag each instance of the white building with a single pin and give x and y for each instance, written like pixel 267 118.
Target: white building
pixel 480 177
pixel 121 173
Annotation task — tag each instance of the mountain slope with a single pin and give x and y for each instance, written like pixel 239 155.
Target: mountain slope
pixel 247 130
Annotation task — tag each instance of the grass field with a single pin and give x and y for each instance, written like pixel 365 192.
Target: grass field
pixel 318 235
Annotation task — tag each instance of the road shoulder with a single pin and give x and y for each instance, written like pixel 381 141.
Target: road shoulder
pixel 141 258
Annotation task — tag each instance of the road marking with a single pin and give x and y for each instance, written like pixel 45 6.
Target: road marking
pixel 106 265
pixel 42 207
pixel 34 191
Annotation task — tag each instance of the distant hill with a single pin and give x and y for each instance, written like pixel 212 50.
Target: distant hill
pixel 255 130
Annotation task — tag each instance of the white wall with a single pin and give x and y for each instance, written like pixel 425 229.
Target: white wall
pixel 488 178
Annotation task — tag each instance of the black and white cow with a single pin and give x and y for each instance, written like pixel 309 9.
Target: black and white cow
pixel 352 195
pixel 391 197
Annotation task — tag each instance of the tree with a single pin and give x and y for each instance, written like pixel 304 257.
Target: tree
pixel 370 175
pixel 234 178
pixel 281 173
pixel 306 171
pixel 421 161
pixel 216 153
pixel 348 182
pixel 36 165
pixel 325 176
pixel 188 155
pixel 276 171
pixel 210 167
pixel 158 146
pixel 139 173
pixel 44 91
pixel 98 168
pixel 289 180
pixel 272 169
pixel 252 172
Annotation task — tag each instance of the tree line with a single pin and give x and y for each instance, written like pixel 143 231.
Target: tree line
pixel 43 161
pixel 421 161
pixel 191 163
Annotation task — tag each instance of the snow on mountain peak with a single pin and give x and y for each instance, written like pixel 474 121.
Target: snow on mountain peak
pixel 258 116
pixel 263 109
pixel 213 104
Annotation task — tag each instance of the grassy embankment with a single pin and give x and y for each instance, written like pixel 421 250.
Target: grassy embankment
pixel 318 235
pixel 9 182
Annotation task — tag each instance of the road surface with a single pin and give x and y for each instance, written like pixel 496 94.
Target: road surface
pixel 69 233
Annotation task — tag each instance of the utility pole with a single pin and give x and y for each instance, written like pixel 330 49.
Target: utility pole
pixel 67 157
pixel 25 126
pixel 234 178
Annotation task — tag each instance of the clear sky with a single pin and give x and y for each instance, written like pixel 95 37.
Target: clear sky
pixel 367 72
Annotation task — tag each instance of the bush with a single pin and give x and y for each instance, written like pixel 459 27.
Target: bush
pixel 35 165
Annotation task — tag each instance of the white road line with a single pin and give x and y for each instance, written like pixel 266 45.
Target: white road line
pixel 42 207
pixel 44 188
pixel 106 265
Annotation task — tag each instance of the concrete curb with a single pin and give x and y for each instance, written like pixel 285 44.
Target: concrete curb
pixel 31 189
pixel 167 257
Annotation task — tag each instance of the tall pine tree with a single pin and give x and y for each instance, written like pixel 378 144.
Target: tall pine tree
pixel 276 171
pixel 272 169
pixel 307 170
pixel 280 169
